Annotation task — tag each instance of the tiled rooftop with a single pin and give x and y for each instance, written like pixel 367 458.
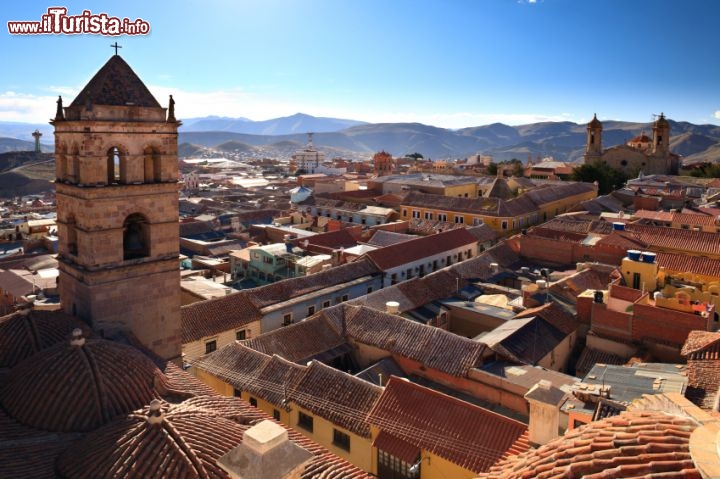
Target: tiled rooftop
pixel 299 342
pixel 214 316
pixel 68 388
pixel 336 396
pixel 553 314
pixel 467 435
pixel 187 443
pixel 22 335
pixel 702 351
pixel 294 287
pixel 631 445
pixel 526 340
pixel 434 348
pixel 403 253
pixel 683 263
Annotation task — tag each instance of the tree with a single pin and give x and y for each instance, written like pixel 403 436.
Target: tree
pixel 710 170
pixel 608 178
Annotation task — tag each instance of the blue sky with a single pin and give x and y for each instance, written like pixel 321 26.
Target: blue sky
pixel 446 63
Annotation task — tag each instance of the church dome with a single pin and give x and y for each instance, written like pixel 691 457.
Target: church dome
pixel 25 332
pixel 595 123
pixel 662 121
pixel 632 444
pixel 160 441
pixel 79 385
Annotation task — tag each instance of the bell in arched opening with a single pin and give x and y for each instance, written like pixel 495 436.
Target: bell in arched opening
pixel 135 237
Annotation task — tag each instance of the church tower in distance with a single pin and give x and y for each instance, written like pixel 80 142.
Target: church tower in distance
pixel 117 206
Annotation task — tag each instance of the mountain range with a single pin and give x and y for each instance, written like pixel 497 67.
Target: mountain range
pixel 564 141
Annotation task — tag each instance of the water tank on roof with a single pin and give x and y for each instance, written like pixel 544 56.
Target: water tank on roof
pixel 648 257
pixel 634 254
pixel 618 226
pixel 392 307
pixel 598 297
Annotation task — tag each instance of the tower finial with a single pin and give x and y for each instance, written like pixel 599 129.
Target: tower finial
pixel 59 113
pixel 115 46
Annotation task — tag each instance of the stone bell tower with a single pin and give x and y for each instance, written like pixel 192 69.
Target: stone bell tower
pixel 117 206
pixel 593 145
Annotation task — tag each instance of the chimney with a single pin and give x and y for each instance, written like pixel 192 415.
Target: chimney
pixel 265 452
pixel 545 401
pixel 392 307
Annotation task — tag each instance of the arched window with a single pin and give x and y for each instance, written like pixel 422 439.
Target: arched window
pixel 71 231
pixel 152 165
pixel 61 168
pixel 74 175
pixel 113 165
pixel 136 237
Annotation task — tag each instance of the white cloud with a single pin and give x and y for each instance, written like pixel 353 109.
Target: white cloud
pixel 263 105
pixel 26 108
pixel 717 114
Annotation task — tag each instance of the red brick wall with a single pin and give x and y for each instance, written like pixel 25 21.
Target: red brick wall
pixel 584 309
pixel 499 392
pixel 547 250
pixel 610 323
pixel 664 325
pixel 625 293
pixel 646 203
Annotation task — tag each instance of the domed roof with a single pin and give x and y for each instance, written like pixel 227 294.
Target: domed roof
pixel 595 123
pixel 26 332
pixel 641 138
pixel 662 121
pixel 79 385
pixel 162 441
pixel 632 444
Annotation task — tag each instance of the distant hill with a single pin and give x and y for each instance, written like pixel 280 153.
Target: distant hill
pixel 280 137
pixel 14 184
pixel 297 123
pixel 565 141
pixel 13 144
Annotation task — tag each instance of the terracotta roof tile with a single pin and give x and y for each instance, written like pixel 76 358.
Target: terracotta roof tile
pixel 590 357
pixel 399 254
pixel 681 240
pixel 336 396
pixel 299 342
pixel 69 388
pixel 553 314
pixel 186 444
pixel 234 363
pixel 683 263
pixel 434 348
pixel 467 435
pixel 214 316
pixel 294 287
pixel 630 445
pixel 22 335
pixel 702 350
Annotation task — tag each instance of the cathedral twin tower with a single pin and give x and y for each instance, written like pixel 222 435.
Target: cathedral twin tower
pixel 117 206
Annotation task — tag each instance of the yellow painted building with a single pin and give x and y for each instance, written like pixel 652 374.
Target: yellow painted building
pixel 505 217
pixel 326 405
pixel 207 344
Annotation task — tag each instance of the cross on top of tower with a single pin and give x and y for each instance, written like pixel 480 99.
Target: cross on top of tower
pixel 115 46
